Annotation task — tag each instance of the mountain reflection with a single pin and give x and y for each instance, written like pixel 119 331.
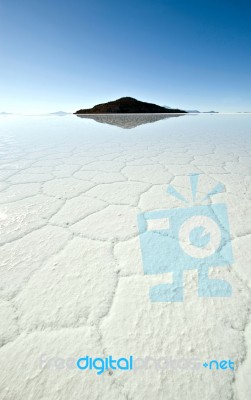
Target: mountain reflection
pixel 128 121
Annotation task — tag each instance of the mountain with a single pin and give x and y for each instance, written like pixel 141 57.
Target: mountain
pixel 210 112
pixel 5 113
pixel 128 105
pixel 193 111
pixel 59 113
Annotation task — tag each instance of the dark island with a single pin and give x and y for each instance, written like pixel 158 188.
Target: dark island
pixel 129 105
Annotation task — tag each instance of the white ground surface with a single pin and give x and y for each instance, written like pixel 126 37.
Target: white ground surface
pixel 71 275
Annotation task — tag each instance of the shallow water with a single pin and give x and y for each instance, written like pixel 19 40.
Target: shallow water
pixel 72 281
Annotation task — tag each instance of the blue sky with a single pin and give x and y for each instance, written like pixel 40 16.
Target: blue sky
pixel 64 55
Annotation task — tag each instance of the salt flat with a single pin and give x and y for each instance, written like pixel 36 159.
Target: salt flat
pixel 71 276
